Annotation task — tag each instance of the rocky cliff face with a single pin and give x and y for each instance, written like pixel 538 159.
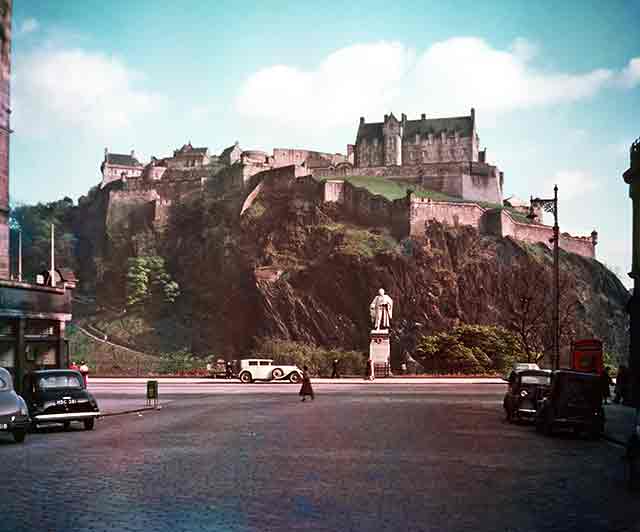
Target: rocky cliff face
pixel 292 268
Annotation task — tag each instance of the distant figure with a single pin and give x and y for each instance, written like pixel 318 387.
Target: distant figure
pixel 334 373
pixel 84 369
pixel 606 385
pixel 621 385
pixel 370 372
pixel 229 369
pixel 306 389
pixel 74 366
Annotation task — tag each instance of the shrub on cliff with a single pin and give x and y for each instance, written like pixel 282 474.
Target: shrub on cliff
pixel 469 349
pixel 148 281
pixel 319 360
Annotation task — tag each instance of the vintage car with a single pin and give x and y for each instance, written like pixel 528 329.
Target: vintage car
pixel 574 402
pixel 14 415
pixel 252 369
pixel 526 388
pixel 59 396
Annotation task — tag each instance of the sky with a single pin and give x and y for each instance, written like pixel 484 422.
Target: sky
pixel 555 85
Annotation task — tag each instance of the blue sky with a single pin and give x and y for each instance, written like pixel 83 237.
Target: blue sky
pixel 556 87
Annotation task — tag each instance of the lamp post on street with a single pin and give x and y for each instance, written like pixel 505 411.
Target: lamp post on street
pixel 551 205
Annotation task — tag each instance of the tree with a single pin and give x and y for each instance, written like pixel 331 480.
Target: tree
pixel 149 282
pixel 529 308
pixel 469 349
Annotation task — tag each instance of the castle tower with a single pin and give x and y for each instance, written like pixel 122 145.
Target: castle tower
pixel 392 138
pixel 5 102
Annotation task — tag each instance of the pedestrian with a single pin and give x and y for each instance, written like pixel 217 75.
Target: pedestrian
pixel 84 370
pixel 370 370
pixel 74 366
pixel 306 389
pixel 606 385
pixel 334 373
pixel 229 369
pixel 621 383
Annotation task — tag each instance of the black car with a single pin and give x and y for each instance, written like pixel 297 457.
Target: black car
pixel 14 415
pixel 59 396
pixel 574 402
pixel 526 388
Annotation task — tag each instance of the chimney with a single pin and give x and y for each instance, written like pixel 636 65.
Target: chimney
pixel 133 154
pixel 403 117
pixel 423 116
pixel 482 156
pixel 106 152
pixel 361 120
pixel 386 117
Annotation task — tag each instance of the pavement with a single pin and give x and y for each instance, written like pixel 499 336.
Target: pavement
pixel 365 458
pixel 620 421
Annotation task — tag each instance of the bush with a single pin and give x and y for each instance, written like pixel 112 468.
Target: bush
pixel 319 360
pixel 179 363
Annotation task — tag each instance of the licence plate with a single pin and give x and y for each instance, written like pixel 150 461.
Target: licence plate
pixel 4 426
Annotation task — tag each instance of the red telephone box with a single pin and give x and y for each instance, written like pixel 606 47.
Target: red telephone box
pixel 586 355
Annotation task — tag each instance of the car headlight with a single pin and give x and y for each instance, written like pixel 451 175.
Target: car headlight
pixel 524 393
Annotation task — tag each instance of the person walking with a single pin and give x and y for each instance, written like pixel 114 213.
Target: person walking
pixel 606 385
pixel 306 389
pixel 84 370
pixel 334 373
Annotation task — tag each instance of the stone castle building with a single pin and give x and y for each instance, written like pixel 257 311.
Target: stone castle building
pixel 440 154
pixel 116 166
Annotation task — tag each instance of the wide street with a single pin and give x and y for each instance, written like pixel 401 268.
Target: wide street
pixel 361 456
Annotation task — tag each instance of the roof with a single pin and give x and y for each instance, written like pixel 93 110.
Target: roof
pixel 228 150
pixel 462 124
pixel 122 160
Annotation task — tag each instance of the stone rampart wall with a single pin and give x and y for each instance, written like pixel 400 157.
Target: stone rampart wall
pixel 501 223
pixel 424 210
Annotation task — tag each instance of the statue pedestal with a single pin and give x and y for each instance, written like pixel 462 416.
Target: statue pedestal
pixel 380 352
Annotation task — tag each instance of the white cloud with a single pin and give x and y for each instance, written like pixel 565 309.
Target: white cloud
pixel 89 91
pixel 572 184
pixel 630 76
pixel 447 78
pixel 29 25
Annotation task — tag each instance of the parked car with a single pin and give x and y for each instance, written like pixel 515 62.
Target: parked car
pixel 59 396
pixel 14 414
pixel 527 387
pixel 574 401
pixel 252 369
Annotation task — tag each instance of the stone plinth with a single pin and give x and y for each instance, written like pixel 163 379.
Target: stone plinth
pixel 380 352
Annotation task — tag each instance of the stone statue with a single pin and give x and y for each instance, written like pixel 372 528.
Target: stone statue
pixel 381 310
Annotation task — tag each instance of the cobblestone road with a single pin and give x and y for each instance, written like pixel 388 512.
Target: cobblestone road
pixel 390 458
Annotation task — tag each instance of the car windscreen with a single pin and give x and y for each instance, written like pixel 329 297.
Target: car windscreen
pixel 52 382
pixel 536 379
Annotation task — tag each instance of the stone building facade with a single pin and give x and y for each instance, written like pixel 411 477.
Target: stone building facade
pixel 5 131
pixel 33 317
pixel 189 157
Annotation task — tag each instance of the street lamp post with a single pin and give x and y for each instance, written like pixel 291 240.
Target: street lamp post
pixel 632 178
pixel 551 205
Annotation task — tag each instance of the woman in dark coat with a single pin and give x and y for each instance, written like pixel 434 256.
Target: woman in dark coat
pixel 306 384
pixel 606 382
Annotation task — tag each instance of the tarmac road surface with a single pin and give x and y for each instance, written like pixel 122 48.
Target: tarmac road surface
pixel 367 458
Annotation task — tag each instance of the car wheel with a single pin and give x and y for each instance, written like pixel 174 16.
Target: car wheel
pixel 19 436
pixel 89 424
pixel 245 377
pixel 67 425
pixel 294 377
pixel 277 373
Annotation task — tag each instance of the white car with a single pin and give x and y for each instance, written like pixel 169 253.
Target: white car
pixel 263 369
